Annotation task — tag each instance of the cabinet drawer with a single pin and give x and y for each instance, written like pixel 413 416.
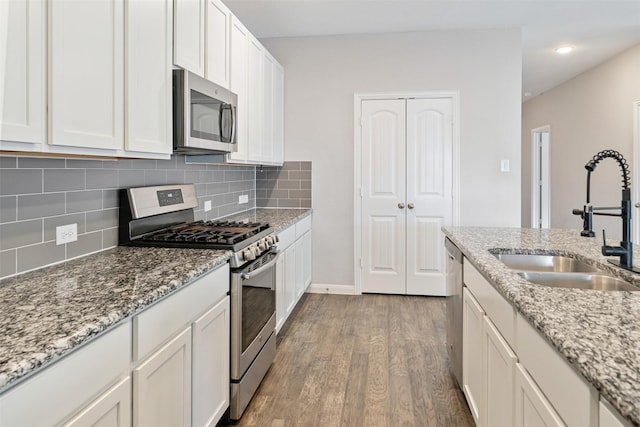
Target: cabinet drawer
pixel 58 391
pixel 572 397
pixel 286 237
pixel 499 310
pixel 303 226
pixel 163 320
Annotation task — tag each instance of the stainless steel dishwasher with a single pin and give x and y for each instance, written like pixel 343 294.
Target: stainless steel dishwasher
pixel 454 308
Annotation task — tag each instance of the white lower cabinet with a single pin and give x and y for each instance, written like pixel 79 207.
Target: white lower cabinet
pixel 511 375
pixel 472 325
pixel 112 409
pixel 162 386
pixel 168 366
pixel 211 365
pixel 181 346
pixel 499 369
pixel 84 375
pixel 293 270
pixel 532 409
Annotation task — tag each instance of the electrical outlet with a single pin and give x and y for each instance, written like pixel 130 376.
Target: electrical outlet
pixel 66 234
pixel 243 199
pixel 207 205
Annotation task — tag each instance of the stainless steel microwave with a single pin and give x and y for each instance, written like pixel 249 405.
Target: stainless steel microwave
pixel 204 115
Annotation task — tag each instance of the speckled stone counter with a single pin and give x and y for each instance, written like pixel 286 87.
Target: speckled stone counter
pixel 46 313
pixel 277 218
pixel 598 332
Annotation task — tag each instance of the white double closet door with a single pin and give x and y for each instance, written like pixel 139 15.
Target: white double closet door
pixel 406 193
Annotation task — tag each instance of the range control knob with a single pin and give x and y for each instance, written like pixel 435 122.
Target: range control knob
pixel 248 255
pixel 261 246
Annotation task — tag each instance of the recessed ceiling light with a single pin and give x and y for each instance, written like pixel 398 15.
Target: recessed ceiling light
pixel 563 50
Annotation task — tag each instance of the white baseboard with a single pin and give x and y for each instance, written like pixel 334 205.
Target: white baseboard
pixel 331 288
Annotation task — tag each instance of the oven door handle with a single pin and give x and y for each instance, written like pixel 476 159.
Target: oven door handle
pixel 247 276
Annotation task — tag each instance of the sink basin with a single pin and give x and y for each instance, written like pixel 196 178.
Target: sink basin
pixel 599 282
pixel 548 263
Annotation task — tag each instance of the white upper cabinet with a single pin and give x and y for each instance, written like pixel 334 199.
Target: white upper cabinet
pixel 148 76
pixel 237 60
pixel 218 43
pixel 86 79
pixel 189 35
pixel 278 114
pixel 22 71
pixel 239 83
pixel 254 104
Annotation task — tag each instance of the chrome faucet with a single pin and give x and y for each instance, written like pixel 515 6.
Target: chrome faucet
pixel 625 250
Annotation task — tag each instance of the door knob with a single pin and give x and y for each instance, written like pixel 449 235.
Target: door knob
pixel 637 205
pixel 410 205
pixel 401 205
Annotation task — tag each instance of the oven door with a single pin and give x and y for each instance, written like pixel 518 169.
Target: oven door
pixel 253 309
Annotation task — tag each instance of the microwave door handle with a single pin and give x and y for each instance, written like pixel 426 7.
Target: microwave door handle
pixel 234 123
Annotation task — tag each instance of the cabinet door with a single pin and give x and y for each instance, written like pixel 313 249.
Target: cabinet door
pixel 22 71
pixel 278 113
pixel 307 259
pixel 499 370
pixel 112 409
pixel 268 113
pixel 218 31
pixel 299 248
pixel 290 278
pixel 239 77
pixel 188 35
pixel 86 89
pixel 148 76
pixel 532 409
pixel 281 308
pixel 210 397
pixel 162 386
pixel 472 355
pixel 254 100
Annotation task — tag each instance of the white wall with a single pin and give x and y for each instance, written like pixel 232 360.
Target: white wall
pixel 324 73
pixel 587 114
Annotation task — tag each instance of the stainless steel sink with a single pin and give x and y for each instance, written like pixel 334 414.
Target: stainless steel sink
pixel 595 281
pixel 547 263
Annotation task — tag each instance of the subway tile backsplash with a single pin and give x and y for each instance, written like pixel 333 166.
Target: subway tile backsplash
pixel 288 186
pixel 38 194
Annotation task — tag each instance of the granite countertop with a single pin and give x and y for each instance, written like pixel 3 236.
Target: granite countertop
pixel 278 218
pixel 597 332
pixel 44 314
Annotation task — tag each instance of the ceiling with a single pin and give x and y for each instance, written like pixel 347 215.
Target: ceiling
pixel 597 29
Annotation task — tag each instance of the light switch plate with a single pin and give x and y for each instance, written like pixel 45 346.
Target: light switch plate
pixel 504 165
pixel 66 234
pixel 207 205
pixel 243 199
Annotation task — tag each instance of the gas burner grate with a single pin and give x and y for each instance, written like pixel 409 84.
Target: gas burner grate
pixel 222 233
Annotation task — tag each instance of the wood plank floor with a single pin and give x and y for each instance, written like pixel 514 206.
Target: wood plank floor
pixel 369 360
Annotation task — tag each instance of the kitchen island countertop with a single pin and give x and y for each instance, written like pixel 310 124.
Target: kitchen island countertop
pixel 597 332
pixel 47 313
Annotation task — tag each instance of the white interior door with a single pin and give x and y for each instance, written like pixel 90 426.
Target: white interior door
pixel 383 193
pixel 406 193
pixel 540 182
pixel 429 192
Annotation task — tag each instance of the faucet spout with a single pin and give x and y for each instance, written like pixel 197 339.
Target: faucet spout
pixel 625 250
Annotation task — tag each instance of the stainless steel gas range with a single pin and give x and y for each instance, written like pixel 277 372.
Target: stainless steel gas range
pixel 164 216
